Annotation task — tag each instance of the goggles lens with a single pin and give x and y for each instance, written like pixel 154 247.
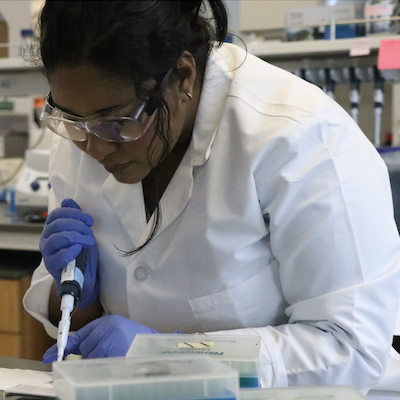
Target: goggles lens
pixel 111 129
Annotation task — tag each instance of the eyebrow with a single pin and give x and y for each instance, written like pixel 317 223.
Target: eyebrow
pixel 101 111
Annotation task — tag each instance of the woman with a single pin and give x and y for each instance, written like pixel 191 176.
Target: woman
pixel 214 192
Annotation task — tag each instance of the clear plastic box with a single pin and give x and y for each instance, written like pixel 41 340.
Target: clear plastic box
pixel 239 352
pixel 303 393
pixel 145 378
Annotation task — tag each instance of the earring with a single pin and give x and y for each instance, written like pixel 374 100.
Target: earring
pixel 189 95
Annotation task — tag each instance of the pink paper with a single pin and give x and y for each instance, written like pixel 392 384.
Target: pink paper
pixel 360 47
pixel 389 54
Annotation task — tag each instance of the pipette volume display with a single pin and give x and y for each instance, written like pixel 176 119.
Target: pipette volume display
pixel 71 286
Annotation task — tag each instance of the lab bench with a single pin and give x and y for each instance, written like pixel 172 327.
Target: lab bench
pixel 9 362
pixel 15 363
pixel 21 336
pixel 16 234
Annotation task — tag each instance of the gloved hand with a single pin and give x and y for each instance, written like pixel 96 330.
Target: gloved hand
pixel 67 230
pixel 108 336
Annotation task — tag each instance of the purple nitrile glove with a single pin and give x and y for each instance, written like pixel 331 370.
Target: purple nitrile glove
pixel 108 336
pixel 67 230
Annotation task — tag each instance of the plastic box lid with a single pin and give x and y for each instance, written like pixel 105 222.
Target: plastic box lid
pixel 145 378
pixel 228 347
pixel 239 352
pixel 303 393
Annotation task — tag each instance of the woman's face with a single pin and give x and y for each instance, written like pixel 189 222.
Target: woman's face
pixel 85 90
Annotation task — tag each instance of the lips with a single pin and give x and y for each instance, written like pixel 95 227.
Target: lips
pixel 112 169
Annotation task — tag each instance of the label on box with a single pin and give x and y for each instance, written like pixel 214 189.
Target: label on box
pixel 360 47
pixel 314 15
pixel 378 10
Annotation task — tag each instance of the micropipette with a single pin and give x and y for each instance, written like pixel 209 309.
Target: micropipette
pixel 378 103
pixel 71 286
pixel 354 94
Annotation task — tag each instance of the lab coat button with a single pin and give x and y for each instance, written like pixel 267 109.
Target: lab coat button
pixel 141 273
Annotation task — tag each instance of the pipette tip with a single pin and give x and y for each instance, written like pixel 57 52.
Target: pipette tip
pixel 60 353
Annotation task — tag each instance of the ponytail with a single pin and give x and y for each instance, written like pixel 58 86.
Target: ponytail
pixel 191 10
pixel 220 18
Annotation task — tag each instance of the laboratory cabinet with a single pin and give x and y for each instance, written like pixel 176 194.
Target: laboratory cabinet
pixel 21 336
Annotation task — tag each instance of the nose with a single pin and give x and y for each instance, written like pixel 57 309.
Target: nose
pixel 99 148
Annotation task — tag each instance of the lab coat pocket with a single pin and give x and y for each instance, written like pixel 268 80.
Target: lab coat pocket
pixel 256 302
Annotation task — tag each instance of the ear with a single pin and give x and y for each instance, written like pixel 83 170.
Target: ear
pixel 186 70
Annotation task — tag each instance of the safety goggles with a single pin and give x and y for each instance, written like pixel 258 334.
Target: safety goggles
pixel 110 128
pixel 107 127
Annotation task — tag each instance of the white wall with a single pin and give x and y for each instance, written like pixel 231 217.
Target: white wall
pixel 233 9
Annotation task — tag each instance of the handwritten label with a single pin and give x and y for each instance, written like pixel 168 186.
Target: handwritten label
pixel 360 47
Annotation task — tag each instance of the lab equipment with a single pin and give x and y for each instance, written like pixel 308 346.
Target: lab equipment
pixel 303 393
pixel 378 104
pixel 333 76
pixel 315 76
pixel 14 134
pixel 148 378
pixel 239 352
pixel 9 169
pixel 378 9
pixel 32 188
pixel 354 94
pixel 329 84
pixel 71 286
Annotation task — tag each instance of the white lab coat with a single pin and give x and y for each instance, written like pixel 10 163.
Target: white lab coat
pixel 277 223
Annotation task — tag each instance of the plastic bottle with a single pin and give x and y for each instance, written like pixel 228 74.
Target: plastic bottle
pixel 29 48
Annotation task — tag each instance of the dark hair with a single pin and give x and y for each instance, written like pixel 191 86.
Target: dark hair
pixel 135 40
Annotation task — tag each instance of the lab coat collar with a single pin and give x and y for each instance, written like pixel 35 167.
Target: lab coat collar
pixel 216 86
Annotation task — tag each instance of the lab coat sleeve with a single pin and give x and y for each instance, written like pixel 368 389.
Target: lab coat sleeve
pixel 36 299
pixel 327 196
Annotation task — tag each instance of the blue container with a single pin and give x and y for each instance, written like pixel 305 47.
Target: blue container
pixel 342 32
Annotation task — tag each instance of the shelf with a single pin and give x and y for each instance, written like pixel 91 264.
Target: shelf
pixel 257 47
pixel 20 78
pixel 272 49
pixel 321 54
pixel 16 64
